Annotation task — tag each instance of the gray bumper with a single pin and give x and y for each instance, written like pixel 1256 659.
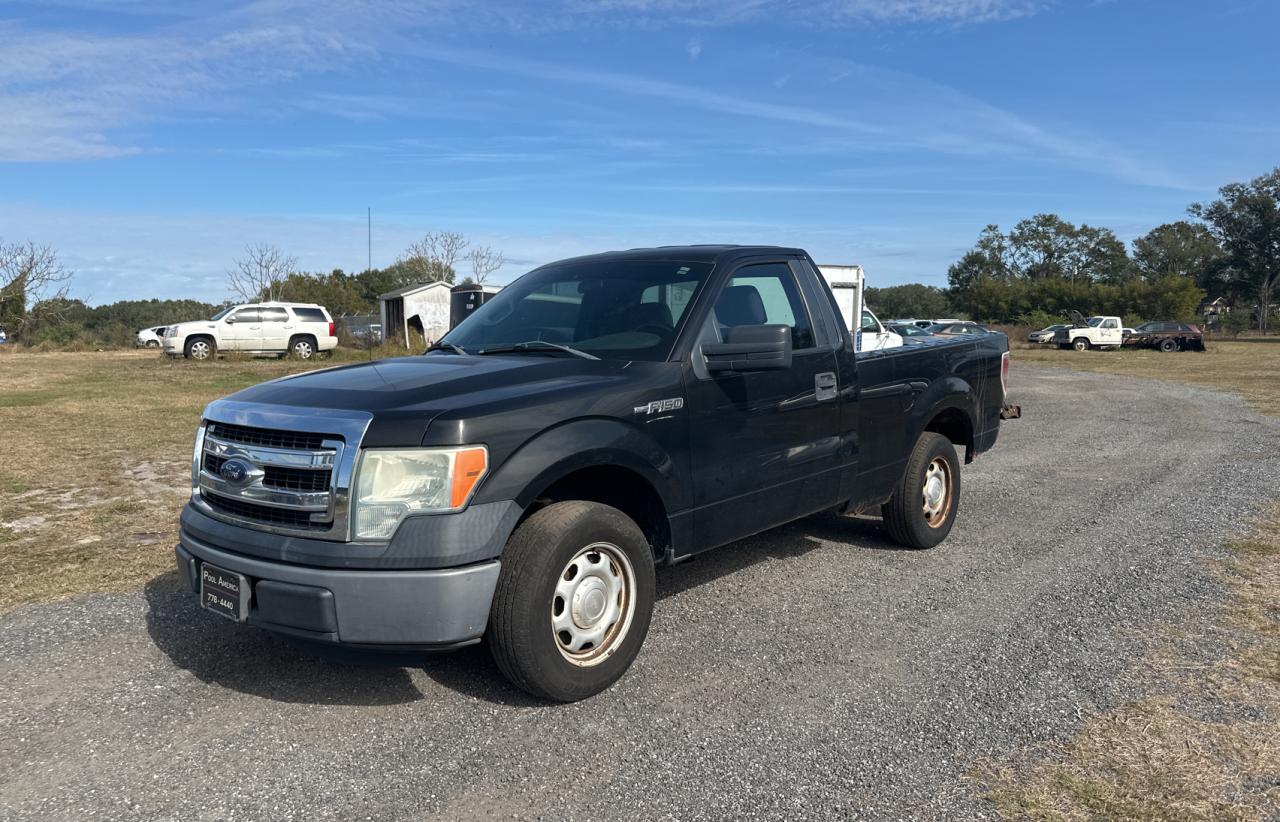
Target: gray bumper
pixel 420 608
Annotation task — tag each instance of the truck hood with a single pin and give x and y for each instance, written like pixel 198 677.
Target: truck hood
pixel 405 394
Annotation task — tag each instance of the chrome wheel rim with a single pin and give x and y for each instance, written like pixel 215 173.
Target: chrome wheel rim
pixel 937 492
pixel 303 350
pixel 200 350
pixel 593 604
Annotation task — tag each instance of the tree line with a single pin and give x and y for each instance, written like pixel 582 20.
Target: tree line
pixel 1046 266
pixel 35 306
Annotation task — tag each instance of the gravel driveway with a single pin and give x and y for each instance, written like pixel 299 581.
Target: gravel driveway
pixel 811 671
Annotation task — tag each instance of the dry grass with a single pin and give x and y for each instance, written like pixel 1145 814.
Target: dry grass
pixel 95 449
pixel 1249 368
pixel 1207 748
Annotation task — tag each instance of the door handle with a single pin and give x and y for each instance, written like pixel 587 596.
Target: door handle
pixel 824 386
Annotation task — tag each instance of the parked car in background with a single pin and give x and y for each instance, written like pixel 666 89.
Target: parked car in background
pixel 301 329
pixel 150 337
pixel 4 338
pixel 909 332
pixel 958 327
pixel 1045 335
pixel 1167 335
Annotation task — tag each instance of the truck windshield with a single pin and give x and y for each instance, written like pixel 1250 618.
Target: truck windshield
pixel 612 309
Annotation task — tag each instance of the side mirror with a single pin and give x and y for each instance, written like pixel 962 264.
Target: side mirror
pixel 230 321
pixel 750 348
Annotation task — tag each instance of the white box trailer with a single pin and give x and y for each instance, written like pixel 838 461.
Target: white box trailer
pixel 847 283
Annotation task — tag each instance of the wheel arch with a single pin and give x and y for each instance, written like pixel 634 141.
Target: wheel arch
pixel 595 460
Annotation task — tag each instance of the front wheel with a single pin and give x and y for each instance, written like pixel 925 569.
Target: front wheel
pixel 201 348
pixel 573 601
pixel 924 503
pixel 1080 344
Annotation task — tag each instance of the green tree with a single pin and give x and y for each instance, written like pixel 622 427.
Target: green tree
pixel 1179 249
pixel 910 300
pixel 1245 220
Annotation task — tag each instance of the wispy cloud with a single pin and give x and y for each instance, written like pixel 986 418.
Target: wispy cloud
pixel 73 92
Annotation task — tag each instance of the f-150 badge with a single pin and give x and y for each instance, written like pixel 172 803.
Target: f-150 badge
pixel 661 406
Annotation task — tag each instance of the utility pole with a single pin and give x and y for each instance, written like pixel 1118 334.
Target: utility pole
pixel 369 270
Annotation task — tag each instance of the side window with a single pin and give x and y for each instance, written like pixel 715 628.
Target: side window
pixel 1109 324
pixel 246 315
pixel 765 295
pixel 274 315
pixel 869 321
pixel 310 315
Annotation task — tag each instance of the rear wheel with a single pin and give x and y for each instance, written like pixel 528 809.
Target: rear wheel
pixel 304 348
pixel 924 503
pixel 573 601
pixel 1168 346
pixel 1080 344
pixel 200 348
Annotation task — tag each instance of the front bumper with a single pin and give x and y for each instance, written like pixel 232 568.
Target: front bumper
pixel 387 608
pixel 171 345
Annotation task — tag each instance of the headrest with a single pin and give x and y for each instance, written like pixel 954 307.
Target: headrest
pixel 740 305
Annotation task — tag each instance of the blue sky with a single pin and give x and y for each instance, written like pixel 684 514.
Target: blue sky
pixel 151 142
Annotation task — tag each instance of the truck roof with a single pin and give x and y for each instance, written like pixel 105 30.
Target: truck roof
pixel 687 253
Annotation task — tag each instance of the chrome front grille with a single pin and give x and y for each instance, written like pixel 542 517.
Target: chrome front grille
pixel 287 470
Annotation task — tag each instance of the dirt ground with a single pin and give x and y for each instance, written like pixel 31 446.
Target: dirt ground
pixel 96 468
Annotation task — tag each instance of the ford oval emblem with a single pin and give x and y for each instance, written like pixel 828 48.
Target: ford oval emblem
pixel 235 471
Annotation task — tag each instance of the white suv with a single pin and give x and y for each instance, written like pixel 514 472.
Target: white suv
pixel 301 329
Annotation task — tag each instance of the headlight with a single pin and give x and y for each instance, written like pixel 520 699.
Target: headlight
pixel 395 482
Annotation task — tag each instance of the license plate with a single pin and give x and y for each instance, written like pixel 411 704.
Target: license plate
pixel 224 592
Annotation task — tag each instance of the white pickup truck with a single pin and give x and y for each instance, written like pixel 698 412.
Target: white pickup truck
pixel 1095 332
pixel 847 283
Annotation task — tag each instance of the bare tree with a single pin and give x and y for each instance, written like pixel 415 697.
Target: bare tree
pixel 443 247
pixel 30 275
pixel 432 258
pixel 485 261
pixel 261 272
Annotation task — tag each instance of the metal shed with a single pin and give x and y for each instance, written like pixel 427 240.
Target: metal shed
pixel 423 307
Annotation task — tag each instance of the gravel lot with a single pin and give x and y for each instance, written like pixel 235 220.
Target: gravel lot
pixel 812 671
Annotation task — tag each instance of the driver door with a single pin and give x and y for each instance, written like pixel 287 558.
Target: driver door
pixel 242 331
pixel 764 444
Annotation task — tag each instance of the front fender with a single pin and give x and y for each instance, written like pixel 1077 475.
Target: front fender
pixel 568 447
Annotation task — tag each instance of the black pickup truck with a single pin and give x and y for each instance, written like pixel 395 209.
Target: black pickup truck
pixel 520 480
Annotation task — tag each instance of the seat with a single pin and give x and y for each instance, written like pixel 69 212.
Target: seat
pixel 740 305
pixel 652 317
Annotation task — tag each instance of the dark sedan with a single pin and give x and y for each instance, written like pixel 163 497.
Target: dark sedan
pixel 1167 335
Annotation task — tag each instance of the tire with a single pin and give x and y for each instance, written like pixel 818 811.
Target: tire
pixel 906 514
pixel 560 571
pixel 1080 344
pixel 304 348
pixel 200 348
pixel 1168 346
pixel 153 343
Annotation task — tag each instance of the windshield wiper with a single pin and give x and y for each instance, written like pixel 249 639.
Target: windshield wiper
pixel 536 345
pixel 450 347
